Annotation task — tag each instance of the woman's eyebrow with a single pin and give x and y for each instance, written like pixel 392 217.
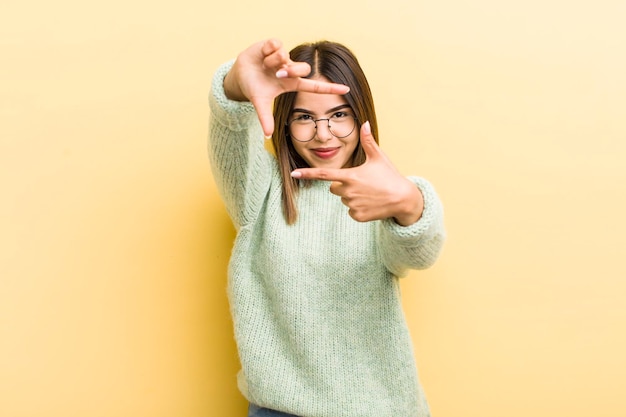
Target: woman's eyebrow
pixel 334 109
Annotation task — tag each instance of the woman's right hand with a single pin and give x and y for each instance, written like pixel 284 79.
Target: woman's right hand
pixel 264 71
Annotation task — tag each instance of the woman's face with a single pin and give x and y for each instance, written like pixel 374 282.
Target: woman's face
pixel 326 149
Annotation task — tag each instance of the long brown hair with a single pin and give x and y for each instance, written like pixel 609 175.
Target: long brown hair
pixel 338 64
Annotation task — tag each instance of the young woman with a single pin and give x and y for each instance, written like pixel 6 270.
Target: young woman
pixel 324 229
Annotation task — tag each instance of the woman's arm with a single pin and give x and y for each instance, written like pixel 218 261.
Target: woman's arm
pixel 416 246
pixel 240 164
pixel 263 72
pixel 242 94
pixel 411 232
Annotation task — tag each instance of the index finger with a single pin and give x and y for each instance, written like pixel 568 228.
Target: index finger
pixel 324 174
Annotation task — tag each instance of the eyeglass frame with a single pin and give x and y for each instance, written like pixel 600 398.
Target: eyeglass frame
pixel 288 128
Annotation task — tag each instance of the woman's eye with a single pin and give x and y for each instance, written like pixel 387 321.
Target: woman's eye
pixel 303 118
pixel 340 115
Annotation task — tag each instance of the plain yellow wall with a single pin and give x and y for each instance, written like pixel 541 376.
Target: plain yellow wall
pixel 114 242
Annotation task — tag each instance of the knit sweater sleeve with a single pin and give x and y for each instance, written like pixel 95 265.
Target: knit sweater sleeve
pixel 416 246
pixel 241 166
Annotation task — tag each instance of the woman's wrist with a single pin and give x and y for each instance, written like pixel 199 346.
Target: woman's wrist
pixel 231 88
pixel 411 208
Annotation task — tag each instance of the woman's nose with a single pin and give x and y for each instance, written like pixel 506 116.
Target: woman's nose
pixel 322 130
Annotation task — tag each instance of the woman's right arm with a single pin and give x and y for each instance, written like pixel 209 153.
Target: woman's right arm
pixel 241 166
pixel 240 91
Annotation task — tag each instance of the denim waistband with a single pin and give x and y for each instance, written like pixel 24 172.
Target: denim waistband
pixel 256 411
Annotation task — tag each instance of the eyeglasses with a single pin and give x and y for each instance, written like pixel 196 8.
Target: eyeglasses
pixel 304 127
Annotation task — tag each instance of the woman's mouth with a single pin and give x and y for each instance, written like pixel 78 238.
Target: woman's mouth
pixel 325 153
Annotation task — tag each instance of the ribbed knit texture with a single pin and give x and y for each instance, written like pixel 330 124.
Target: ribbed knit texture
pixel 315 305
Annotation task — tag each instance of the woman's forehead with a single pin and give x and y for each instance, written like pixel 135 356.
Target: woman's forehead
pixel 318 103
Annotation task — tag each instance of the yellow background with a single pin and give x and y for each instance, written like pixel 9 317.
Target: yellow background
pixel 114 242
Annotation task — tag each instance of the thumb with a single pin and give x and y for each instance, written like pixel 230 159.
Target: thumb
pixel 263 109
pixel 370 147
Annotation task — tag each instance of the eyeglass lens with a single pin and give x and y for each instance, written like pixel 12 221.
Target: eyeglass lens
pixel 304 128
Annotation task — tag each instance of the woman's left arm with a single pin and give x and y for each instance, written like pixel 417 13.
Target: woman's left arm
pixel 417 245
pixel 411 232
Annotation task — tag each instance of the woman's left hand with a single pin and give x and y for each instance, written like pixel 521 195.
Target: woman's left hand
pixel 374 190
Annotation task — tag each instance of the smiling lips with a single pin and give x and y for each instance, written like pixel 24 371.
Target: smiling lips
pixel 325 153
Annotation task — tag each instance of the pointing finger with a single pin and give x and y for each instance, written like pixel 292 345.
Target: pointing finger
pixel 324 174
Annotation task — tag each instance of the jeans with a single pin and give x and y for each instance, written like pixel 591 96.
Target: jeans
pixel 256 411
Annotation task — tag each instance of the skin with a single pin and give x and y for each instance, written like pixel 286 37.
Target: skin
pixel 374 190
pixel 325 150
pixel 263 72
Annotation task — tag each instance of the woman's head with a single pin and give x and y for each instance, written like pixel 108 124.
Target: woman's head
pixel 297 114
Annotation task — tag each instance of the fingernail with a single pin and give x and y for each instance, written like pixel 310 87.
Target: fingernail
pixel 367 128
pixel 281 74
pixel 296 174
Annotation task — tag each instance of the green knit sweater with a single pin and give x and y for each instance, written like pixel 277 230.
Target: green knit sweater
pixel 316 306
